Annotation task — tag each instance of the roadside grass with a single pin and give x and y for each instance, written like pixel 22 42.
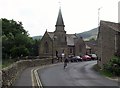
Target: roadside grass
pixel 106 73
pixel 102 71
pixel 7 62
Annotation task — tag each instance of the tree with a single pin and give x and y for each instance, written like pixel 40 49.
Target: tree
pixel 113 66
pixel 35 47
pixel 92 39
pixel 19 51
pixel 15 40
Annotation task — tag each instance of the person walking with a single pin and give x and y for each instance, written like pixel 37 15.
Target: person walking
pixel 65 62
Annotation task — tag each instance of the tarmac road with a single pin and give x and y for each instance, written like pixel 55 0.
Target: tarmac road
pixel 25 78
pixel 76 74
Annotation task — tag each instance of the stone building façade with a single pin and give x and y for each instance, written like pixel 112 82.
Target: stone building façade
pixel 108 41
pixel 91 47
pixel 54 44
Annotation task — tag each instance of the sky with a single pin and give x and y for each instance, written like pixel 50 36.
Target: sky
pixel 78 15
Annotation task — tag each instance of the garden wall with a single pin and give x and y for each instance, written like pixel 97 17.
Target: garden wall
pixel 9 74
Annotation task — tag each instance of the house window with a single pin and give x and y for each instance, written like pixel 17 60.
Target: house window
pixel 70 50
pixel 46 46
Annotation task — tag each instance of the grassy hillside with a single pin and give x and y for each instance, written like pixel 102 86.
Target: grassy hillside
pixel 89 34
pixel 86 35
pixel 37 37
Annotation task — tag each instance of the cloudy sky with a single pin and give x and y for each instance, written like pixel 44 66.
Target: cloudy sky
pixel 78 15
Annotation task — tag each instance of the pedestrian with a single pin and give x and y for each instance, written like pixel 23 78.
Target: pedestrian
pixel 62 56
pixel 65 62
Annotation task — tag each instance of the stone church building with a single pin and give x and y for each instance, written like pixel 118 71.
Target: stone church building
pixel 58 43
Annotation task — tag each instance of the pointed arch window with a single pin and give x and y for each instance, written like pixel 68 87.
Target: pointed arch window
pixel 46 46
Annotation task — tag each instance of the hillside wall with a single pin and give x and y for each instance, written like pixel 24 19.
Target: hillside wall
pixel 9 74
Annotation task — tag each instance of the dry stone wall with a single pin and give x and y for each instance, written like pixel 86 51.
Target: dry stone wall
pixel 9 74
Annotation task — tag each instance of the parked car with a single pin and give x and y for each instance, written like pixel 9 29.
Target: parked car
pixel 86 57
pixel 73 59
pixel 78 58
pixel 93 56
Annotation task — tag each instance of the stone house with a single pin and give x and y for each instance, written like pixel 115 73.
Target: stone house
pixel 108 41
pixel 91 47
pixel 58 43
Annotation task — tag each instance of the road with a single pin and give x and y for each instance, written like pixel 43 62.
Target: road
pixel 76 74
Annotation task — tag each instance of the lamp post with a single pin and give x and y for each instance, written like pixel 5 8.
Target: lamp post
pixel 101 36
pixel 99 16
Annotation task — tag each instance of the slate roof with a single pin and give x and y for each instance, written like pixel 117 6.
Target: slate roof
pixel 114 26
pixel 51 34
pixel 70 38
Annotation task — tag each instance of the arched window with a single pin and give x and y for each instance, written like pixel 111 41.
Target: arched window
pixel 46 46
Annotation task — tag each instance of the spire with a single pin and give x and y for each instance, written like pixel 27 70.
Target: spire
pixel 46 30
pixel 60 21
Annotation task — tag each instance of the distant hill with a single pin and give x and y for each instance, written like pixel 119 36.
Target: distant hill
pixel 37 37
pixel 86 35
pixel 89 34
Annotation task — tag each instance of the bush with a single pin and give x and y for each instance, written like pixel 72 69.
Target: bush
pixel 113 66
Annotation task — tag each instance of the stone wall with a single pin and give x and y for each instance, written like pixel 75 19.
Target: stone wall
pixel 42 47
pixel 9 74
pixel 107 42
pixel 80 47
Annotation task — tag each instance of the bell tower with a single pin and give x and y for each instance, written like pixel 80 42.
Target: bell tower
pixel 60 39
pixel 60 33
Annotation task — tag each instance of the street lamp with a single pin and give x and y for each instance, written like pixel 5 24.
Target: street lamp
pixel 99 16
pixel 98 30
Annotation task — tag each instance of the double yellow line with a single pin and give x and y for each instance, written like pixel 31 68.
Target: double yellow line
pixel 36 82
